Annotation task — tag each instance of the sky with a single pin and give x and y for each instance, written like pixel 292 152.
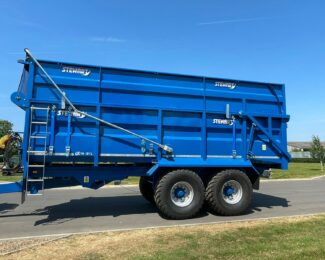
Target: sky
pixel 280 41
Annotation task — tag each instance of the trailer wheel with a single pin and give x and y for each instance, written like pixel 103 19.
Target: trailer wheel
pixel 146 190
pixel 229 193
pixel 179 194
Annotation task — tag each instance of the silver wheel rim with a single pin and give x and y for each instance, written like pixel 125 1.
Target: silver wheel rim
pixel 232 192
pixel 182 194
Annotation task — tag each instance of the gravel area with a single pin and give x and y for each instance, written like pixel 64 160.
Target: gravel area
pixel 12 246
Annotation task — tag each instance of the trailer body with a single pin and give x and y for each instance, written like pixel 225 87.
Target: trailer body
pixel 210 123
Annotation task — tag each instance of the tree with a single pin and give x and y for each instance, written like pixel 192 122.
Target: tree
pixel 317 151
pixel 5 127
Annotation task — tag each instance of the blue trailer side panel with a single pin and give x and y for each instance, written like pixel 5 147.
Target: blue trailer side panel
pixel 209 122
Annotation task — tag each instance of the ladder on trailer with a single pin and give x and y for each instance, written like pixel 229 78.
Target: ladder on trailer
pixel 36 183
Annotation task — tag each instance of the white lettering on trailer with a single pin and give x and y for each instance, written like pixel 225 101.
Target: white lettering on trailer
pixel 75 70
pixel 219 121
pixel 83 154
pixel 223 84
pixel 73 113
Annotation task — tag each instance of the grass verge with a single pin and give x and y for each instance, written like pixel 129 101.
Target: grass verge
pixel 128 181
pixel 10 178
pixel 298 170
pixel 289 238
pixel 131 180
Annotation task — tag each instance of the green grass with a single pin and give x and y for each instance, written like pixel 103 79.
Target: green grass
pixel 288 238
pixel 131 180
pixel 10 178
pixel 128 181
pixel 300 240
pixel 298 170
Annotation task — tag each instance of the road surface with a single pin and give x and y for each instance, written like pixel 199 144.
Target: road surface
pixel 83 210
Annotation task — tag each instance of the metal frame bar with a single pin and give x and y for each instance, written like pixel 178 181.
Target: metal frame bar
pixel 268 135
pixel 250 140
pixel 234 135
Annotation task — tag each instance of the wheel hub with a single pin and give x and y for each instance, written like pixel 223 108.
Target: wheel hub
pixel 182 194
pixel 229 191
pixel 232 192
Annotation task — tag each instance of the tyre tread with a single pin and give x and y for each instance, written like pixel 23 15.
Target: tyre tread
pixel 162 205
pixel 210 197
pixel 146 190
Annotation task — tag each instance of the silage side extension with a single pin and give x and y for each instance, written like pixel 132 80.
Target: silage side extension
pixel 189 138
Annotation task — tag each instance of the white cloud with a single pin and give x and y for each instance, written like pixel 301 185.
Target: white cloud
pixel 107 39
pixel 23 22
pixel 233 21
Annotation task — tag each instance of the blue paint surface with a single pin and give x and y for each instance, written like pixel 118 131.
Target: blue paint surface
pixel 187 113
pixel 11 187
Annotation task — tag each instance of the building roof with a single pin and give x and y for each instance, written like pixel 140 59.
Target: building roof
pixel 302 145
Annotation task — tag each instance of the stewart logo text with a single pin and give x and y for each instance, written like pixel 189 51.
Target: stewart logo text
pixel 74 114
pixel 74 70
pixel 218 121
pixel 221 84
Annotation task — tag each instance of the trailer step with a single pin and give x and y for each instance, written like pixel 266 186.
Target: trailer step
pixel 35 180
pixel 39 122
pixel 40 108
pixel 36 166
pixel 37 152
pixel 38 137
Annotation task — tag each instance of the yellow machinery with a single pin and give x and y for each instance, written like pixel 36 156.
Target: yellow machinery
pixel 3 141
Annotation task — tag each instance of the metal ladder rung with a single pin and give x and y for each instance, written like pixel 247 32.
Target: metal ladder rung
pixel 39 122
pixel 38 152
pixel 35 180
pixel 36 166
pixel 38 137
pixel 40 108
pixel 32 182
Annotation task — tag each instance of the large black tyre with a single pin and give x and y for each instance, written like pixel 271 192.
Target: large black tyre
pixel 146 189
pixel 173 188
pixel 229 192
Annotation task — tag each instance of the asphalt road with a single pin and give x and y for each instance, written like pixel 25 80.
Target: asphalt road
pixel 83 210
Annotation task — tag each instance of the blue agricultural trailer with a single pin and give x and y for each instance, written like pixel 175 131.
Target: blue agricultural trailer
pixel 190 139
